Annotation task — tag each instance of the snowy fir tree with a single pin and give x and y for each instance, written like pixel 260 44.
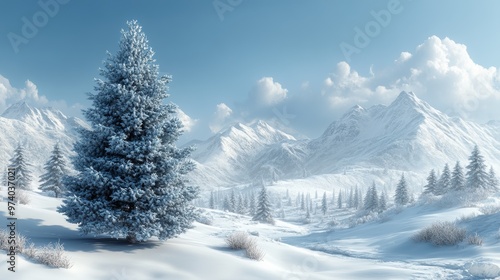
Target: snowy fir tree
pixel 232 202
pixel 324 204
pixel 382 202
pixel 55 169
pixel 431 186
pixel 444 182
pixel 492 180
pixel 211 202
pixel 225 204
pixel 252 204
pixel 339 200
pixel 457 178
pixel 263 212
pixel 23 169
pixel 355 202
pixel 371 199
pixel 402 196
pixel 131 176
pixel 476 176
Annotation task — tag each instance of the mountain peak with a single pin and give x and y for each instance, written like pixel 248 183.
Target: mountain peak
pixel 42 118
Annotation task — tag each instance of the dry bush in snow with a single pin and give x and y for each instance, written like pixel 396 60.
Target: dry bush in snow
pixel 441 234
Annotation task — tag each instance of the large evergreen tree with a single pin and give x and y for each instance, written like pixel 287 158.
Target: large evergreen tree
pixel 263 212
pixel 56 169
pixel 130 181
pixel 23 169
pixel 324 204
pixel 476 177
pixel 457 178
pixel 402 196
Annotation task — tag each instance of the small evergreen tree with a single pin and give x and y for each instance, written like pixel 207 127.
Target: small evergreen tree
pixel 252 204
pixel 444 182
pixel 402 196
pixel 55 171
pixel 225 204
pixel 382 205
pixel 371 199
pixel 23 172
pixel 492 180
pixel 211 202
pixel 431 187
pixel 131 176
pixel 232 201
pixel 457 178
pixel 263 213
pixel 324 204
pixel 339 200
pixel 476 176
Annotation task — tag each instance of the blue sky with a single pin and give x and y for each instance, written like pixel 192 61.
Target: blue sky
pixel 239 60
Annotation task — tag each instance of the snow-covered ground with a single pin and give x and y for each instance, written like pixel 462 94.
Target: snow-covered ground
pixel 381 249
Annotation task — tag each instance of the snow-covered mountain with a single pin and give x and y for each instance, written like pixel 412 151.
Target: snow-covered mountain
pixel 229 157
pixel 38 130
pixel 407 135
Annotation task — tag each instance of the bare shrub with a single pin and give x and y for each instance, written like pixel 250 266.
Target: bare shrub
pixel 253 251
pixel 240 240
pixel 53 255
pixel 22 197
pixel 237 240
pixel 475 240
pixel 441 234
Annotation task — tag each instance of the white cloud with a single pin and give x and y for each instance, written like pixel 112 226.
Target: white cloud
pixel 10 94
pixel 267 92
pixel 186 120
pixel 439 71
pixel 220 118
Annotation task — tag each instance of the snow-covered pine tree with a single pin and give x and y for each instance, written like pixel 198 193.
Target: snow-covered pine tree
pixel 302 202
pixel 444 182
pixel 350 201
pixel 324 204
pixel 263 212
pixel 355 202
pixel 240 209
pixel 431 186
pixel 252 205
pixel 55 171
pixel 402 196
pixel 371 199
pixel 382 202
pixel 339 200
pixel 23 169
pixel 131 176
pixel 211 202
pixel 457 178
pixel 476 176
pixel 225 204
pixel 232 202
pixel 492 180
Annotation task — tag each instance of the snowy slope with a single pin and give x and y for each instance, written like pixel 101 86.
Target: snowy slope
pixel 201 253
pixel 38 130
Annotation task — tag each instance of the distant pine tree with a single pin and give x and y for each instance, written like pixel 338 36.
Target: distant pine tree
pixel 252 204
pixel 339 200
pixel 402 196
pixel 382 205
pixel 476 177
pixel 431 187
pixel 56 169
pixel 324 204
pixel 444 182
pixel 457 178
pixel 493 180
pixel 232 201
pixel 211 202
pixel 23 169
pixel 263 213
pixel 371 199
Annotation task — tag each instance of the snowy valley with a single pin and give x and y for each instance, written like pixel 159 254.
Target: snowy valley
pixel 342 241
